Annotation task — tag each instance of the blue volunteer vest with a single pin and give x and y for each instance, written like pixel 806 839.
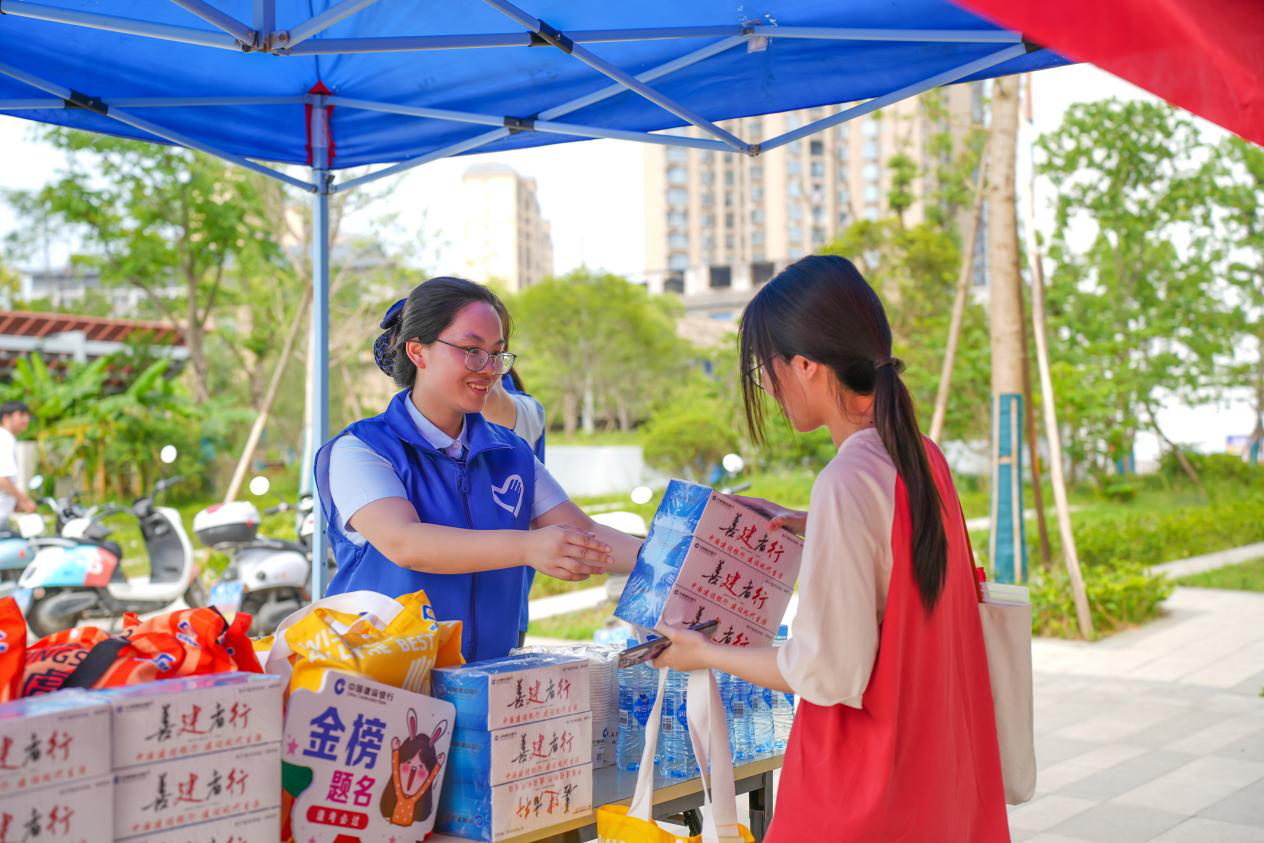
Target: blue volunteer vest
pixel 473 494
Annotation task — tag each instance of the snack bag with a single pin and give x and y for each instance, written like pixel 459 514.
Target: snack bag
pixel 12 649
pixel 393 641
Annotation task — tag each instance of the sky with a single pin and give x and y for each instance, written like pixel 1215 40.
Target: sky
pixel 605 230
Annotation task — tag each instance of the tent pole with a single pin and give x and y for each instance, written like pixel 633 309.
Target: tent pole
pixel 128 26
pixel 320 364
pixel 221 21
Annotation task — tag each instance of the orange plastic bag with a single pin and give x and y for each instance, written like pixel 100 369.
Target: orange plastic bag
pixel 12 649
pixel 191 642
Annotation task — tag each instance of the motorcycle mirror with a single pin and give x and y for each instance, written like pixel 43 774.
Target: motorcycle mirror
pixel 168 454
pixel 306 504
pixel 259 485
pixel 35 482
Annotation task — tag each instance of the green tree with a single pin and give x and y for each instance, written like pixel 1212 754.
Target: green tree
pixel 593 344
pixel 156 218
pixel 1238 174
pixel 1136 313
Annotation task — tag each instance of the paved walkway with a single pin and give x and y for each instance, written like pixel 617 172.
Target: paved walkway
pixel 1153 734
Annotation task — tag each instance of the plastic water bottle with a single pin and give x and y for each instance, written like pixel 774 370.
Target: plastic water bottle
pixel 782 705
pixel 762 729
pixel 675 757
pixel 742 739
pixel 637 689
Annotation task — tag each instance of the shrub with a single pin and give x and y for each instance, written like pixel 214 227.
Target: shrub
pixel 688 440
pixel 1119 597
pixel 1213 469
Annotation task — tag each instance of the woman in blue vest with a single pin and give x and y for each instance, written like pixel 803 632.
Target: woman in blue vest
pixel 431 495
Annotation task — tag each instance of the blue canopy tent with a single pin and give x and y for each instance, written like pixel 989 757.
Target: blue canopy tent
pixel 332 85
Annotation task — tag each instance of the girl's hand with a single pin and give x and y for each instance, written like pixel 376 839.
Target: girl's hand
pixel 689 650
pixel 565 552
pixel 794 520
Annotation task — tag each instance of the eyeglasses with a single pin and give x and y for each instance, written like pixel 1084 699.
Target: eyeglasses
pixel 476 358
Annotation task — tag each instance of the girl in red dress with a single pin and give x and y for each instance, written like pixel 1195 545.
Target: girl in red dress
pixel 895 737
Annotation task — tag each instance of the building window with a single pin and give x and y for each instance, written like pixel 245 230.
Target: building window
pixel 721 315
pixel 869 128
pixel 728 178
pixel 870 150
pixel 708 199
pixel 844 150
pixel 761 272
pixel 757 238
pixel 842 217
pixel 674 283
pixel 794 253
pixel 678 241
pixel 871 213
pixel 677 153
pixel 678 262
pixel 794 188
pixel 677 196
pixel 757 216
pixel 728 219
pixel 755 126
pixel 794 168
pixel 818 236
pixel 843 196
pixel 707 176
pixel 794 149
pixel 708 220
pixel 796 234
pixel 818 215
pixel 677 175
pixel 728 199
pixel 871 193
pixel 793 121
pixel 728 243
pixel 818 170
pixel 677 219
pixel 816 147
pixel 757 194
pixel 756 173
pixel 721 277
pixel 870 172
pixel 795 210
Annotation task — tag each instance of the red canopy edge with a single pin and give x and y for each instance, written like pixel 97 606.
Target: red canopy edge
pixel 1206 57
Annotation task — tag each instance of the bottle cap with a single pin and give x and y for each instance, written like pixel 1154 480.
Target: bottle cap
pixel 783 631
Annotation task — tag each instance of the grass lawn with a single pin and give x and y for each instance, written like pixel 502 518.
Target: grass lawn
pixel 1248 576
pixel 575 626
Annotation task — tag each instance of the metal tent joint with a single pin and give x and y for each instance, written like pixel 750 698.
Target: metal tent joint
pixel 554 37
pixel 81 100
pixel 520 124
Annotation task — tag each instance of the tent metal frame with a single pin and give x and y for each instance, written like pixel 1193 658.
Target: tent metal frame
pixel 261 35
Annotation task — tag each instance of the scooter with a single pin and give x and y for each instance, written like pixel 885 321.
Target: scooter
pixel 22 541
pixel 79 575
pixel 266 577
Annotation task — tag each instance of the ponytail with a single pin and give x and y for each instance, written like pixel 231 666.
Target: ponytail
pixel 823 309
pixel 896 421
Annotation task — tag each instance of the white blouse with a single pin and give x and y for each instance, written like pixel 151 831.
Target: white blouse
pixel 844 576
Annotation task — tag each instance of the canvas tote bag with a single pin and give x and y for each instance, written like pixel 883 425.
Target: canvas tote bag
pixel 709 734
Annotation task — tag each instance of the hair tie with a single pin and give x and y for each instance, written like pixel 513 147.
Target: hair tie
pixel 382 346
pixel 894 362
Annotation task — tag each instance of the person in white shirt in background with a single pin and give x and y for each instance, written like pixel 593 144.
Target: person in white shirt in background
pixel 14 419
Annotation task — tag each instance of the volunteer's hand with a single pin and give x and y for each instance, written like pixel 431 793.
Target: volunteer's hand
pixel 566 552
pixel 794 520
pixel 689 650
pixel 25 504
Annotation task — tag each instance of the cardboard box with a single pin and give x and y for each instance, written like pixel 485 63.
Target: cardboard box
pixel 479 812
pixel 71 812
pixel 521 752
pixel 196 789
pixel 710 557
pixel 53 739
pixel 364 761
pixel 177 718
pixel 258 827
pixel 515 690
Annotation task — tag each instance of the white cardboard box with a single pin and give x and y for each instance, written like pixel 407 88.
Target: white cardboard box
pixel 196 789
pixel 258 827
pixel 515 690
pixel 177 718
pixel 495 813
pixel 373 759
pixel 71 812
pixel 52 739
pixel 522 752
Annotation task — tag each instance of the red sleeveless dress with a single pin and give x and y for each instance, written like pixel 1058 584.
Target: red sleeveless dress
pixel 919 761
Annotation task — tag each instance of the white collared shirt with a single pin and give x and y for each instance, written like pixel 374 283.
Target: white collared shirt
pixel 358 475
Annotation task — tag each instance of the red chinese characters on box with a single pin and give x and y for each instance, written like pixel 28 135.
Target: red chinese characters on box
pixel 53 739
pixel 73 812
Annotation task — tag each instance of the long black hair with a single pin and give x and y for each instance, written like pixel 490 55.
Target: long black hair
pixel 426 313
pixel 823 309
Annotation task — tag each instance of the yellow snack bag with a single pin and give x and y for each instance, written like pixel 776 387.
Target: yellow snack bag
pixel 394 646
